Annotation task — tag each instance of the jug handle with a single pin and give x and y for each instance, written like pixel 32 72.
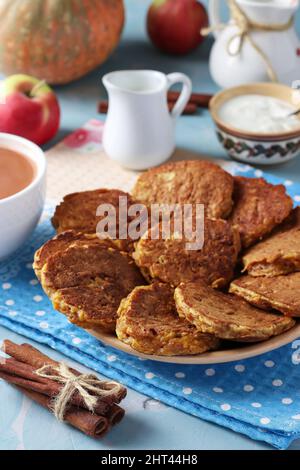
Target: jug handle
pixel 185 94
pixel 214 16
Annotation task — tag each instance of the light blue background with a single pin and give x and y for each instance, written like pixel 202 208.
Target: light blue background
pixel 148 424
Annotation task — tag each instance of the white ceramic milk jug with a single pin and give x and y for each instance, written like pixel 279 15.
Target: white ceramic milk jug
pixel 140 130
pixel 258 44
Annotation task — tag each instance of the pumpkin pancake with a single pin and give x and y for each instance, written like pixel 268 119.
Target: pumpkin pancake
pixel 278 254
pixel 227 316
pixel 170 260
pixel 88 282
pixel 193 182
pixel 149 323
pixel 280 293
pixel 77 212
pixel 258 208
pixel 90 306
pixel 60 243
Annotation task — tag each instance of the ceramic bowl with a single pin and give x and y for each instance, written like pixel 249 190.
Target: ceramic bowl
pixel 236 353
pixel 252 147
pixel 20 213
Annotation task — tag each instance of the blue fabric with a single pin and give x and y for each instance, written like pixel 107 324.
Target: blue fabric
pixel 259 397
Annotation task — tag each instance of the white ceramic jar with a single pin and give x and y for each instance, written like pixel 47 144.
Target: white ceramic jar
pixel 235 61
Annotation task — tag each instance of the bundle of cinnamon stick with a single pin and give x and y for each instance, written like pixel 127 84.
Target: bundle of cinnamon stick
pixel 197 100
pixel 20 369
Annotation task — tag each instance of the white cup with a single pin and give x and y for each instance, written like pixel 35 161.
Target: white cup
pixel 20 213
pixel 140 130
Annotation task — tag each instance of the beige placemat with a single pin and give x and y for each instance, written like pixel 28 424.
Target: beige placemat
pixel 78 163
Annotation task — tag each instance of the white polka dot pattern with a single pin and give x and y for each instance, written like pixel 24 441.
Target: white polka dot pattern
pixel 40 313
pixel 287 401
pixel 149 375
pixel 225 407
pixel 210 372
pixel 6 285
pixel 111 358
pixel 12 313
pixel 269 364
pixel 180 375
pixel 76 341
pixel 240 368
pixel 265 421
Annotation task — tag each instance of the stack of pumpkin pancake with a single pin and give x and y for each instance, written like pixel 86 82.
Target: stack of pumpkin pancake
pixel 157 295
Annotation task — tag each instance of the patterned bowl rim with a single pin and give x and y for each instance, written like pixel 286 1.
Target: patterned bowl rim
pixel 275 90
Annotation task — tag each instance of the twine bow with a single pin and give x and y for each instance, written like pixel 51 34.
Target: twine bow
pixel 88 386
pixel 246 26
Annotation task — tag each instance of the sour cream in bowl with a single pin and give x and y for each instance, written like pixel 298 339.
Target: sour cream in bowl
pixel 255 122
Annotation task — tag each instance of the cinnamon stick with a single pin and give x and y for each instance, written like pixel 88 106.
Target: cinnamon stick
pixel 199 99
pixel 51 389
pixel 29 355
pixel 190 109
pixel 13 367
pixel 116 414
pixel 91 424
pixel 20 371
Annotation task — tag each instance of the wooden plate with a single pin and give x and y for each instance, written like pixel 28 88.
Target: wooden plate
pixel 214 357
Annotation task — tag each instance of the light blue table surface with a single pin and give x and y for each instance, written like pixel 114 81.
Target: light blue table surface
pixel 148 424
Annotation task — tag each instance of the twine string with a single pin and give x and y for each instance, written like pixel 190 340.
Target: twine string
pixel 246 26
pixel 89 387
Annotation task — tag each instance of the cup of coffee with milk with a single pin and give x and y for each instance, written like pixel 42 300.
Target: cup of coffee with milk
pixel 22 190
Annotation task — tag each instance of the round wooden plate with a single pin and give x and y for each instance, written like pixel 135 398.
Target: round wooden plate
pixel 214 357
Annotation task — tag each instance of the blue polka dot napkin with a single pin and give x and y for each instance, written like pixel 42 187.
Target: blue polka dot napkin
pixel 259 397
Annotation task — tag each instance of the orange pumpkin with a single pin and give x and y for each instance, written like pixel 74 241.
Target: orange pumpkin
pixel 58 40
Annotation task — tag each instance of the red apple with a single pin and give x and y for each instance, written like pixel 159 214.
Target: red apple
pixel 174 25
pixel 29 108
